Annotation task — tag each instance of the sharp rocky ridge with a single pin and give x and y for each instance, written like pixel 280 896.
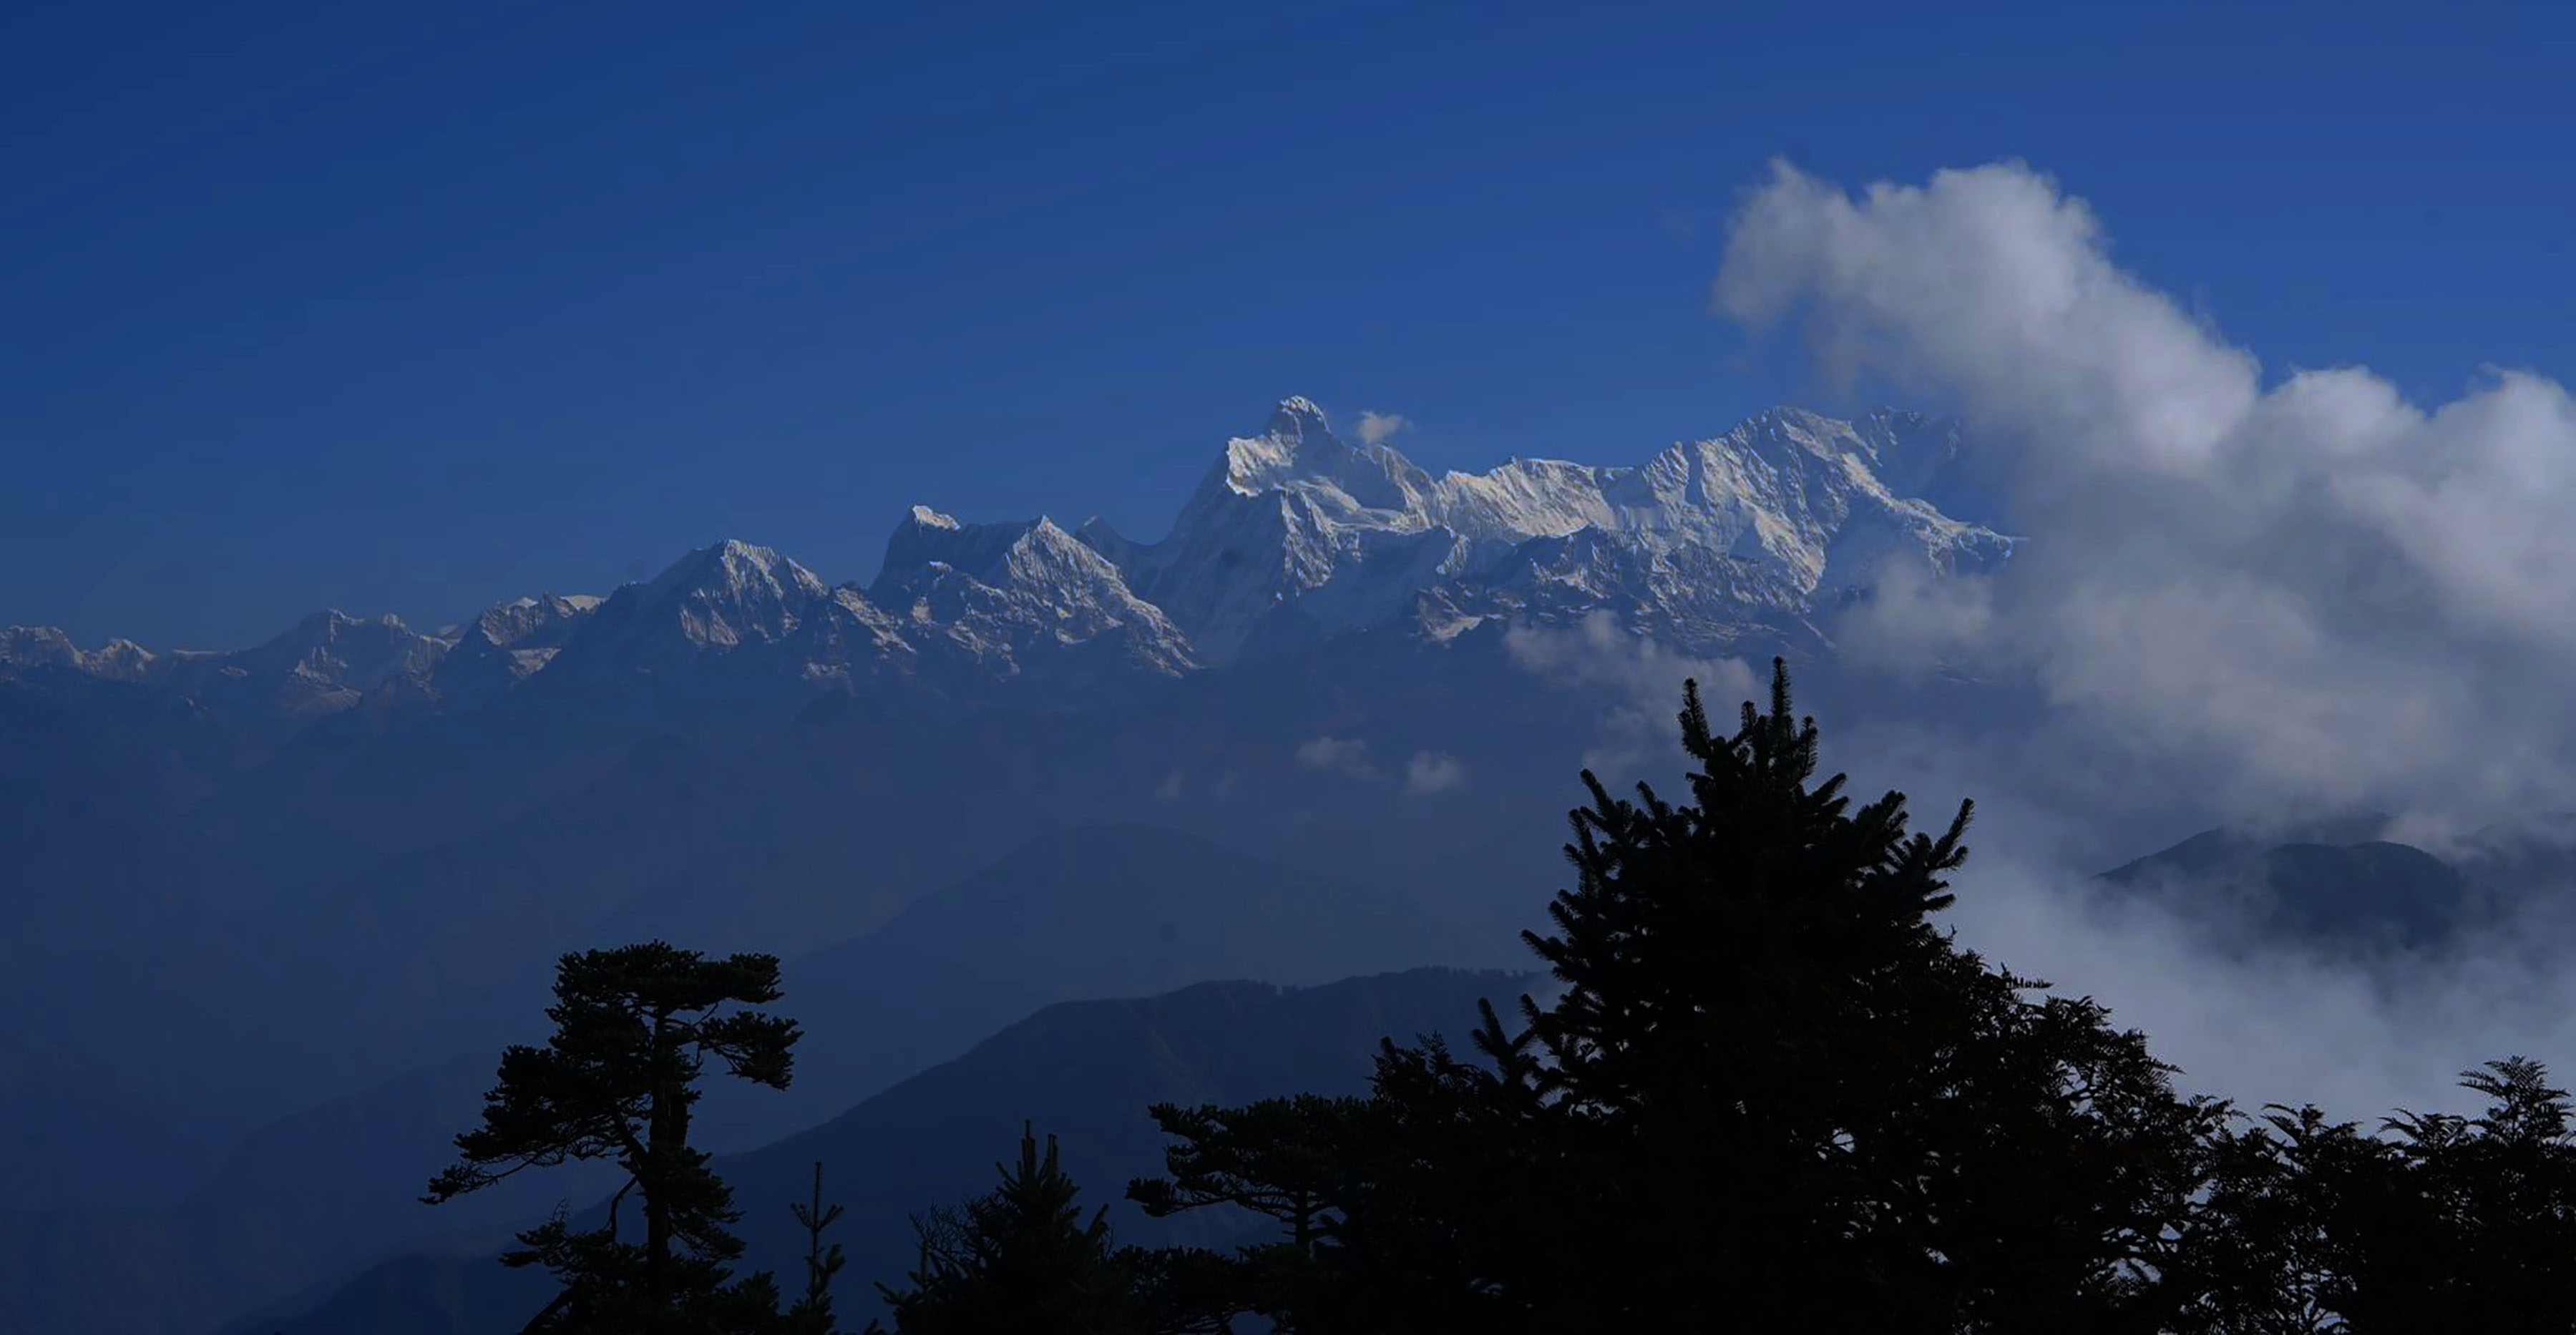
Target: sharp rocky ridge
pixel 1749 539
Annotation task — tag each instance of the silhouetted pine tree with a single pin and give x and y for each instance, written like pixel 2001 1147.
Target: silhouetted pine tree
pixel 1019 1258
pixel 2491 1243
pixel 633 1029
pixel 1289 1160
pixel 2267 1251
pixel 1772 1096
pixel 812 1314
pixel 1184 1290
pixel 2439 1223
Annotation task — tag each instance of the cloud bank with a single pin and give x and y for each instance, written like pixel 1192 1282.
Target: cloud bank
pixel 2298 588
pixel 2309 588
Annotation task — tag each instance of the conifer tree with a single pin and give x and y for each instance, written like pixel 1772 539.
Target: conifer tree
pixel 2269 1250
pixel 1770 1096
pixel 1019 1258
pixel 2492 1242
pixel 634 1028
pixel 1187 1290
pixel 1289 1160
pixel 812 1314
pixel 2440 1222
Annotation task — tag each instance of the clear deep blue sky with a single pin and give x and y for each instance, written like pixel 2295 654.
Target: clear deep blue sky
pixel 413 307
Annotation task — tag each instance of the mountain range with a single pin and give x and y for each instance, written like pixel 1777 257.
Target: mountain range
pixel 355 802
pixel 1325 726
pixel 1296 533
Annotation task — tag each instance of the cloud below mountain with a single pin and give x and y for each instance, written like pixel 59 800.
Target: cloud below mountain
pixel 2310 588
pixel 2358 1033
pixel 2300 590
pixel 1638 681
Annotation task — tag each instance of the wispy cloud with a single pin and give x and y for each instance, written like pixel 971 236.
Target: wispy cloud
pixel 1638 681
pixel 1431 772
pixel 1376 426
pixel 1337 755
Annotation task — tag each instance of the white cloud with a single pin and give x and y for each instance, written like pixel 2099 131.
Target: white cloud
pixel 1337 755
pixel 1432 772
pixel 1984 283
pixel 1375 427
pixel 2360 1035
pixel 2313 590
pixel 1639 681
pixel 2305 591
pixel 1914 614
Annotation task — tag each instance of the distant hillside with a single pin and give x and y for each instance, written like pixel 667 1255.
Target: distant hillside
pixel 1085 1071
pixel 2339 883
pixel 1121 910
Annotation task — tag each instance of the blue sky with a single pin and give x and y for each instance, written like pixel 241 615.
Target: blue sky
pixel 413 308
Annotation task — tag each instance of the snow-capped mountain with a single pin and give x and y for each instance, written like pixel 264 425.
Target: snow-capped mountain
pixel 1739 541
pixel 726 619
pixel 1012 598
pixel 508 644
pixel 1709 538
pixel 29 648
pixel 743 753
pixel 330 661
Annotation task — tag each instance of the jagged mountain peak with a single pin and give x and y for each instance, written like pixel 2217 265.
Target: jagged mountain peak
pixel 736 569
pixel 1298 531
pixel 38 646
pixel 329 634
pixel 332 618
pixel 521 620
pixel 1299 451
pixel 720 596
pixel 121 660
pixel 575 602
pixel 928 537
pixel 1296 414
pixel 1712 537
pixel 42 648
pixel 507 644
pixel 732 625
pixel 1006 595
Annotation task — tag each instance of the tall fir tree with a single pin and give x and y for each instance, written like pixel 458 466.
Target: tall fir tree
pixel 812 1314
pixel 634 1027
pixel 1771 1096
pixel 1019 1258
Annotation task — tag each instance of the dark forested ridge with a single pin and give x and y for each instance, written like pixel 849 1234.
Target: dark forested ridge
pixel 1086 1069
pixel 1766 1091
pixel 1089 912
